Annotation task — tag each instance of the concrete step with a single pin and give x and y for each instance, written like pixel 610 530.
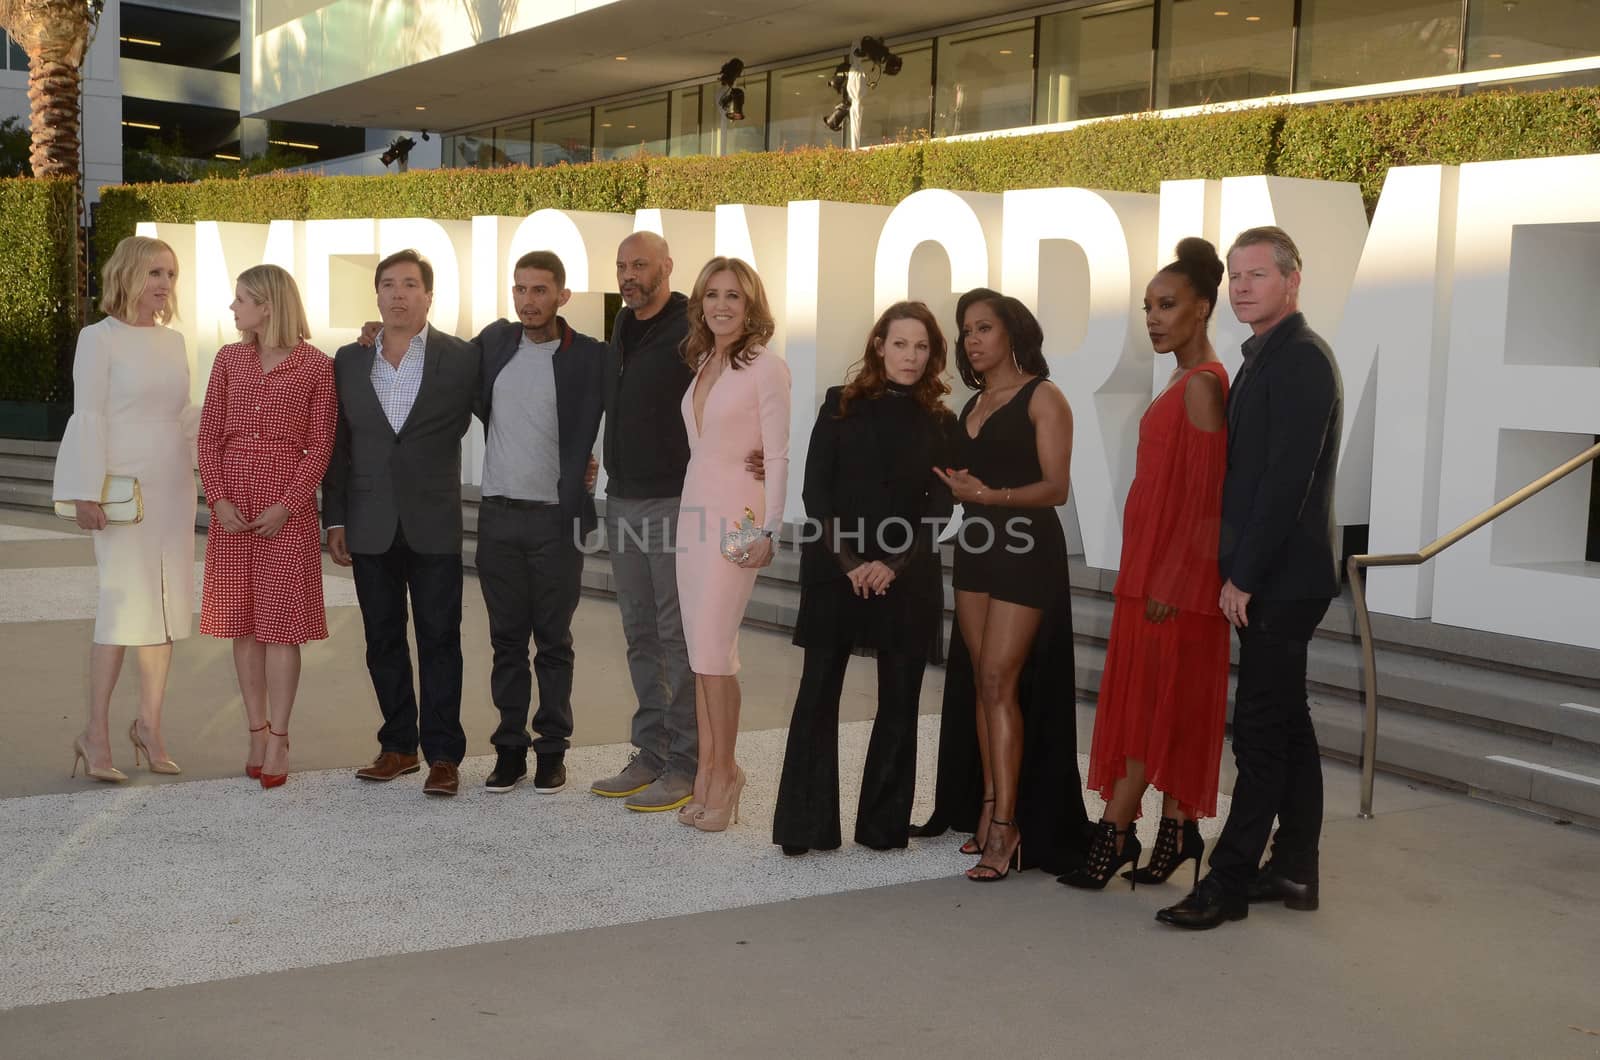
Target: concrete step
pixel 1555 781
pixel 1520 703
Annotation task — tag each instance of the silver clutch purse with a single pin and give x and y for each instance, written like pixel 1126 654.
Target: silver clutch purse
pixel 736 542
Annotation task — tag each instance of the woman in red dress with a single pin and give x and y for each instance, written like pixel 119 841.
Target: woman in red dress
pixel 266 434
pixel 1164 693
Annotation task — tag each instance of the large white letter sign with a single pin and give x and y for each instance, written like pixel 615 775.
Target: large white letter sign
pixel 336 284
pixel 829 311
pixel 965 225
pixel 1393 348
pixel 1087 300
pixel 1524 396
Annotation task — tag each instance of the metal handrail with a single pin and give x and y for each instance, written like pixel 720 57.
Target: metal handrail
pixel 1369 724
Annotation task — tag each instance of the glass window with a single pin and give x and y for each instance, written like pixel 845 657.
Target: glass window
pixel 1501 33
pixel 627 130
pixel 985 80
pixel 564 138
pixel 1363 42
pixel 513 144
pixel 897 108
pixel 16 58
pixel 684 136
pixel 475 148
pixel 723 137
pixel 1212 51
pixel 801 98
pixel 1095 61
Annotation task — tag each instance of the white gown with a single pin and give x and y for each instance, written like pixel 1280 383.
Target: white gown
pixel 131 415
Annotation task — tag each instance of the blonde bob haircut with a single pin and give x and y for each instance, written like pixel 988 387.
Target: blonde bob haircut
pixel 124 276
pixel 758 322
pixel 286 325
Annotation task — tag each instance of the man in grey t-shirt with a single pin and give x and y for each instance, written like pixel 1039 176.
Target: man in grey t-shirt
pixel 541 405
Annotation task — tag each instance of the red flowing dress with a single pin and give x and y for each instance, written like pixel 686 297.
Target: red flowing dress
pixel 1164 694
pixel 266 439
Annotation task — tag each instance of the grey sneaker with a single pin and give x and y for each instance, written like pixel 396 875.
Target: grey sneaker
pixel 634 778
pixel 668 793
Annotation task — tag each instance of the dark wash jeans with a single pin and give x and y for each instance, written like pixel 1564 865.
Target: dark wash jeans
pixel 531 571
pixel 1275 749
pixel 433 582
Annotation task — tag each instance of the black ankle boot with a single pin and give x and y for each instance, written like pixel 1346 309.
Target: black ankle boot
pixel 1103 860
pixel 1169 852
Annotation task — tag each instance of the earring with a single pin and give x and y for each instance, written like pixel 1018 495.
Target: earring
pixel 1014 362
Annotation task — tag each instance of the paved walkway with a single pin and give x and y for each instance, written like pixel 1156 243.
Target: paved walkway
pixel 200 917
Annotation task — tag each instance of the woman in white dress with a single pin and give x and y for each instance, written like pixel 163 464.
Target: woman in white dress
pixel 132 416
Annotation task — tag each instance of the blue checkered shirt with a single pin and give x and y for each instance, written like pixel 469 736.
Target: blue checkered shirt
pixel 397 387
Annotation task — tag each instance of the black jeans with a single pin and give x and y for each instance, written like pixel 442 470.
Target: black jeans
pixel 530 570
pixel 807 813
pixel 434 584
pixel 1275 749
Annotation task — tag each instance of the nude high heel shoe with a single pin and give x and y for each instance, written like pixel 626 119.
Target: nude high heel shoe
pixel 110 774
pixel 689 811
pixel 717 820
pixel 165 766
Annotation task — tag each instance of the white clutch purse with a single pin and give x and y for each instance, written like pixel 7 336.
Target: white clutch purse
pixel 736 542
pixel 120 498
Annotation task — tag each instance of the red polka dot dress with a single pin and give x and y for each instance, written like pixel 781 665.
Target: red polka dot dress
pixel 265 439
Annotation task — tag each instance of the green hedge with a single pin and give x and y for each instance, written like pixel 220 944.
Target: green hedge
pixel 38 288
pixel 1353 141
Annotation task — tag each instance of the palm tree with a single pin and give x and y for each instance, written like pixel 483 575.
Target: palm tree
pixel 55 34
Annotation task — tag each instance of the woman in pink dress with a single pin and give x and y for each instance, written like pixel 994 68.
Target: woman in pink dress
pixel 738 401
pixel 265 438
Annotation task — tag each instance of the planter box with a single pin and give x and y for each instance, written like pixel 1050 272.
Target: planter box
pixel 33 420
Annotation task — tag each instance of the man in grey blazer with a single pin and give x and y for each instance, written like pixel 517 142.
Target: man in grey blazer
pixel 391 501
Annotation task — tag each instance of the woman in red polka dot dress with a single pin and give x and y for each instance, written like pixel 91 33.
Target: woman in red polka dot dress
pixel 266 434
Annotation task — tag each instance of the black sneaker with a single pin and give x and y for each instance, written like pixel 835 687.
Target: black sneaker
pixel 550 773
pixel 510 767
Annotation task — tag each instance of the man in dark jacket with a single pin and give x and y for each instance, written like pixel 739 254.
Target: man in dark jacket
pixel 646 451
pixel 540 403
pixel 391 502
pixel 1280 569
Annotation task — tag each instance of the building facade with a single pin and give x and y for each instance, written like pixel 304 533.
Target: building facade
pixel 546 82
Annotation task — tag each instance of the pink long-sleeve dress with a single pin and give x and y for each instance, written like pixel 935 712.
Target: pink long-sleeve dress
pixel 747 409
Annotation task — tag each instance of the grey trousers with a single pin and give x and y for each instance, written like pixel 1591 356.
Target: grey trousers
pixel 639 535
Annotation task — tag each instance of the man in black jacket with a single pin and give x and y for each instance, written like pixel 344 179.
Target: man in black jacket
pixel 646 451
pixel 1280 569
pixel 541 402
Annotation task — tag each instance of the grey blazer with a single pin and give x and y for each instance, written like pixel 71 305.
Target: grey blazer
pixel 380 481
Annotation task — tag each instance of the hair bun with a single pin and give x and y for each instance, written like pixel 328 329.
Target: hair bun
pixel 1200 254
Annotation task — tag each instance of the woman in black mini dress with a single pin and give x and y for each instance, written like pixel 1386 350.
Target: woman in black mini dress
pixel 1013 464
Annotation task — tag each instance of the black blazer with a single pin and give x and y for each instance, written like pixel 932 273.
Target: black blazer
pixel 849 476
pixel 380 480
pixel 1285 414
pixel 579 366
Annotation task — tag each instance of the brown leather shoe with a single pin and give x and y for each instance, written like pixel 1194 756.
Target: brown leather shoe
pixel 443 779
pixel 388 765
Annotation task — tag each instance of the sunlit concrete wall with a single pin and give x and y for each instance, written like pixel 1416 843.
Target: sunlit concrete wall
pixel 347 41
